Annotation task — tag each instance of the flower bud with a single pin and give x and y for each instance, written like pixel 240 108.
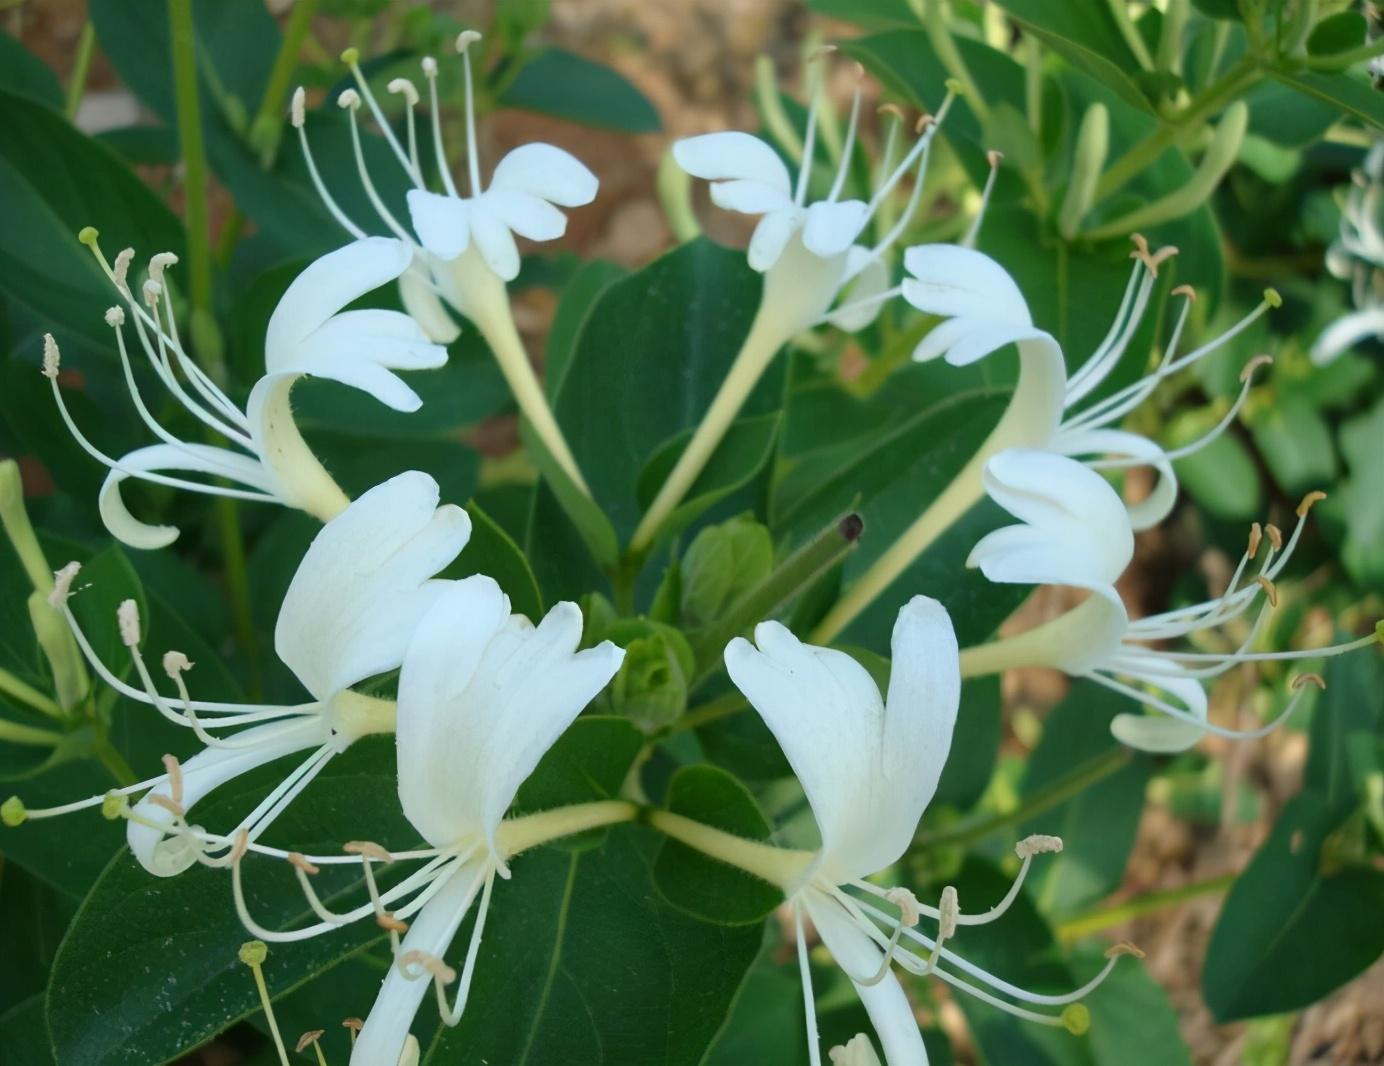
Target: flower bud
pixel 721 563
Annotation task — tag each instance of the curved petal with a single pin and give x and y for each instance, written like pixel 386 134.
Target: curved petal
pixel 365 582
pixel 546 171
pixel 1158 732
pixel 442 222
pixel 156 458
pixel 482 695
pixel 1346 332
pixel 832 227
pixel 771 237
pixel 496 245
pixel 325 287
pixel 381 1040
pixel 1158 504
pixel 732 155
pixel 209 769
pixel 950 280
pixel 361 348
pixel 525 214
pixel 890 1012
pixel 748 197
pixel 425 307
pixel 942 337
pixel 870 278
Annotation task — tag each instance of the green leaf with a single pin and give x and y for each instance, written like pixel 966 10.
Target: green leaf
pixel 24 74
pixel 585 514
pixel 1290 931
pixel 1362 506
pixel 1221 477
pixel 1132 1019
pixel 701 886
pixel 54 181
pixel 35 919
pixel 24 1034
pixel 1352 706
pixel 1085 34
pixel 650 356
pixel 1340 32
pixel 1287 117
pixel 1295 442
pixel 1219 9
pixel 1347 94
pixel 492 551
pixel 579 296
pixel 565 85
pixel 872 14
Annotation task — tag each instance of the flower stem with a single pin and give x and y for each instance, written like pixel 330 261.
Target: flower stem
pixel 530 830
pixel 195 215
pixel 81 66
pixel 778 866
pixel 1105 917
pixel 1052 795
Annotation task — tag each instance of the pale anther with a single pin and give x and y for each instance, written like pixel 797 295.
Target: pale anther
pixel 160 800
pixel 127 615
pixel 297 109
pixel 367 849
pixel 1124 947
pixel 466 38
pixel 1253 365
pixel 406 88
pixel 62 584
pixel 391 924
pixel 308 1039
pixel 948 910
pixel 994 156
pixel 152 291
pixel 175 663
pixel 1037 844
pixel 121 269
pixel 1275 536
pixel 299 860
pixel 1270 589
pixel 910 910
pixel 1256 535
pixel 1185 290
pixel 51 356
pixel 160 262
pixel 174 770
pixel 115 317
pixel 1308 679
pixel 349 99
pixel 1307 502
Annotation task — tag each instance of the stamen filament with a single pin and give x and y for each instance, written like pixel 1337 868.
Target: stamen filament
pixel 814 1053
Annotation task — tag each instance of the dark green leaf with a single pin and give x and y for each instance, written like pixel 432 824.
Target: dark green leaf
pixel 872 14
pixel 24 74
pixel 1344 92
pixel 579 296
pixel 491 551
pixel 565 85
pixel 1340 32
pixel 24 1034
pixel 1352 705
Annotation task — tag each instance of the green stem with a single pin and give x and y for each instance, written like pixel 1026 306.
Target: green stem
pixel 1119 11
pixel 1045 799
pixel 238 588
pixel 796 573
pixel 1342 60
pixel 81 67
pixel 25 693
pixel 723 706
pixel 778 866
pixel 267 126
pixel 1235 81
pixel 1105 917
pixel 939 36
pixel 195 213
pixel 18 733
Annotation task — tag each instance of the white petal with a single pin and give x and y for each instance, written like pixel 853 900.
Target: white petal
pixel 940 339
pixel 161 458
pixel 328 285
pixel 748 197
pixel 360 348
pixel 871 277
pixel 381 1041
pixel 1156 733
pixel 832 228
pixel 205 771
pixel 496 245
pixel 441 222
pixel 546 171
pixel 482 696
pixel 425 307
pixel 771 237
pixel 890 1012
pixel 364 583
pixel 1158 504
pixel 1346 332
pixel 525 214
pixel 732 155
pixel 951 280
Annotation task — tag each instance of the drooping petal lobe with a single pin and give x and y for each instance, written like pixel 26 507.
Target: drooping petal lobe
pixel 952 281
pixel 443 223
pixel 548 172
pixel 730 156
pixel 832 228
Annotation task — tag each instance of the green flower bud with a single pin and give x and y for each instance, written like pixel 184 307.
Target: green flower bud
pixel 651 687
pixel 722 562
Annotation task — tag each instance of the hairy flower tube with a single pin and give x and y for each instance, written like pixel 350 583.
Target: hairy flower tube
pixel 1070 535
pixel 309 335
pixel 483 693
pixel 1357 256
pixel 463 247
pixel 869 766
pixel 983 311
pixel 350 611
pixel 808 253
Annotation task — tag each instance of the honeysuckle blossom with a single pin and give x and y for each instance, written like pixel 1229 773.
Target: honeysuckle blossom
pixel 1357 256
pixel 309 335
pixel 483 693
pixel 350 611
pixel 869 767
pixel 1073 534
pixel 463 248
pixel 809 253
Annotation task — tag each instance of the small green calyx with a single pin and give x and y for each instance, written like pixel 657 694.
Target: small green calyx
pixel 253 953
pixel 1077 1019
pixel 12 812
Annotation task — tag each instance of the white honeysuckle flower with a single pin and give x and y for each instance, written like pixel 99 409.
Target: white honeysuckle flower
pixel 1357 256
pixel 869 766
pixel 309 335
pixel 1072 536
pixel 351 609
pixel 984 310
pixel 483 693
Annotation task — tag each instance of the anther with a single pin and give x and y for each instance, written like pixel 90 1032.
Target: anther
pixel 891 109
pixel 127 615
pixel 174 770
pixel 429 65
pixel 172 807
pixel 1308 679
pixel 406 88
pixel 308 1039
pixel 351 56
pixel 299 860
pixel 353 1024
pixel 253 952
pixel 909 908
pixel 1272 298
pixel 367 849
pixel 349 99
pixel 995 157
pixel 240 846
pixel 62 584
pixel 1270 589
pixel 13 812
pixel 1037 844
pixel 1076 1019
pixel 821 52
pixel 389 923
pixel 1307 502
pixel 1187 291
pixel 152 291
pixel 924 121
pixel 114 805
pixel 89 235
pixel 1275 536
pixel 160 262
pixel 1256 536
pixel 1124 947
pixel 51 357
pixel 297 108
pixel 122 268
pixel 466 38
pixel 175 663
pixel 430 963
pixel 115 317
pixel 1253 365
pixel 955 87
pixel 948 910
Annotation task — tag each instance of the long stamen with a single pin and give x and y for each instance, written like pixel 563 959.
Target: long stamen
pixel 350 101
pixel 473 166
pixel 299 119
pixel 973 232
pixel 452 1017
pixel 810 133
pixel 351 57
pixel 814 1053
pixel 919 153
pixel 406 89
pixel 253 954
pixel 429 65
pixel 849 145
pixel 1180 713
pixel 206 388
